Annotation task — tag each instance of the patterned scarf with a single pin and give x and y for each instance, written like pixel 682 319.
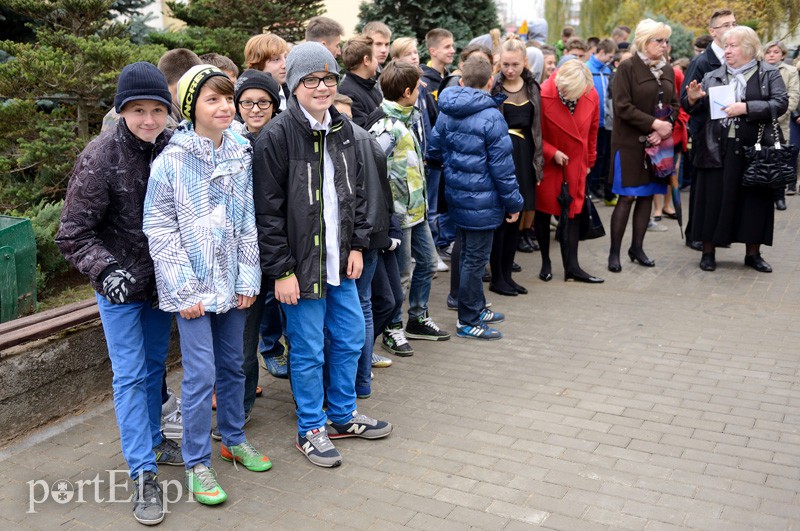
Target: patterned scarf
pixel 570 104
pixel 655 66
pixel 737 75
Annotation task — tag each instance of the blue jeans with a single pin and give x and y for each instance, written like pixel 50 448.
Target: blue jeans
pixel 138 342
pixel 211 347
pixel 417 241
pixel 476 245
pixel 306 322
pixel 387 292
pixel 364 288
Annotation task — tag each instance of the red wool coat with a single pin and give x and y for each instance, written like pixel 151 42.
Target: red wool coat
pixel 575 135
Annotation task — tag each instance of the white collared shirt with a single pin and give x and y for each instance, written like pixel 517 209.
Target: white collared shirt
pixel 330 201
pixel 718 51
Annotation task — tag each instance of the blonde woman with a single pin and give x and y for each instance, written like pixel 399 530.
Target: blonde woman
pixel 267 52
pixel 645 107
pixel 570 118
pixel 522 111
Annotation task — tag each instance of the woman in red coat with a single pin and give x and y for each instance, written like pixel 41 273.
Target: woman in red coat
pixel 570 117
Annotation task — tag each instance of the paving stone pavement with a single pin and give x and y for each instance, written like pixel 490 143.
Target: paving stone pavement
pixel 665 398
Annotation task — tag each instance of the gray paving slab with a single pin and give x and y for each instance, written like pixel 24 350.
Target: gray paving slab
pixel 665 398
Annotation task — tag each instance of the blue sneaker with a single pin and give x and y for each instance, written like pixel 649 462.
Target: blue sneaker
pixel 276 365
pixel 477 332
pixel 488 316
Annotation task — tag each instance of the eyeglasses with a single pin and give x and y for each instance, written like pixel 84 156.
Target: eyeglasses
pixel 660 41
pixel 262 104
pixel 312 82
pixel 727 25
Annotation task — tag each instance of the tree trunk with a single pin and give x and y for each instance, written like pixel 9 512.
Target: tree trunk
pixel 83 118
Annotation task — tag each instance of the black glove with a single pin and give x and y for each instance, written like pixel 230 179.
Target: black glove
pixel 117 284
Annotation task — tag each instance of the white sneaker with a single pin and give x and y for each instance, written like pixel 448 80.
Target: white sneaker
pixel 653 226
pixel 380 362
pixel 171 418
pixel 441 266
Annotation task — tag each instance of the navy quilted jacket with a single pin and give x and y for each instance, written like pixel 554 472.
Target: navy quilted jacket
pixel 471 139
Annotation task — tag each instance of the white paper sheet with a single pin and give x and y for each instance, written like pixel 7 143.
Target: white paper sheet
pixel 719 98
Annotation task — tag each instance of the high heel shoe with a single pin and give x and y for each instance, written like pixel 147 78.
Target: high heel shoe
pixel 707 262
pixel 582 277
pixel 547 277
pixel 641 258
pixel 613 264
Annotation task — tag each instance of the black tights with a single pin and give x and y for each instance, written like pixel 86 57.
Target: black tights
pixel 569 248
pixel 619 221
pixel 504 248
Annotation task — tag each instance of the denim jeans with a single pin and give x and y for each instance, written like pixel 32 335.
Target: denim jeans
pixel 211 347
pixel 476 245
pixel 387 292
pixel 306 322
pixel 364 288
pixel 138 342
pixel 417 242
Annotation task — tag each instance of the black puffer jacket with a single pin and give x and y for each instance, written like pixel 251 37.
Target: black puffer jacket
pixel 101 223
pixel 287 190
pixel 765 96
pixel 365 93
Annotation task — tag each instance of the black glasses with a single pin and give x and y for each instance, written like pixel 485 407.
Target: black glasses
pixel 727 25
pixel 262 104
pixel 312 82
pixel 660 41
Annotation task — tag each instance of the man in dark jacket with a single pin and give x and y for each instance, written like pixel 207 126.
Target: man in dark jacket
pixel 439 42
pixel 712 58
pixel 358 83
pixel 471 137
pixel 308 187
pixel 101 236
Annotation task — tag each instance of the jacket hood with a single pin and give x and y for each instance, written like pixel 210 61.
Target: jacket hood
pixel 203 148
pixel 395 110
pixel 460 102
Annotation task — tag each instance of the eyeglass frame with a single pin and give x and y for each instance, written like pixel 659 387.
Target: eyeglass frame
pixel 269 102
pixel 320 80
pixel 728 25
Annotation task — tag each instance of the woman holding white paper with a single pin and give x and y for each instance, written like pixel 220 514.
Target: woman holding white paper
pixel 725 211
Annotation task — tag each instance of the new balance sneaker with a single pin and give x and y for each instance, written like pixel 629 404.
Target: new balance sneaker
pixel 360 426
pixel 277 366
pixel 171 419
pixel 380 362
pixel 477 332
pixel 168 453
pixel 318 448
pixel 423 327
pixel 488 316
pixel 148 500
pixel 394 340
pixel 202 483
pixel 247 455
pixel 215 430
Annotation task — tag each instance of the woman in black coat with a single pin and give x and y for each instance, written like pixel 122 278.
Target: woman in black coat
pixel 725 211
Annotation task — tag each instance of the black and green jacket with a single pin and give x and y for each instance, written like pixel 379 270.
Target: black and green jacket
pixel 287 190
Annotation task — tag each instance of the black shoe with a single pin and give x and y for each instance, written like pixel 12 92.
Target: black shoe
pixel 756 262
pixel 695 245
pixel 508 292
pixel 394 341
pixel 613 264
pixel 519 289
pixel 423 327
pixel 524 244
pixel 708 262
pixel 546 276
pixel 516 268
pixel 148 502
pixel 583 276
pixel 780 204
pixel 641 258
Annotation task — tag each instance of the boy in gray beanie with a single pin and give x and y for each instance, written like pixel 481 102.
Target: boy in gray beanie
pixel 308 188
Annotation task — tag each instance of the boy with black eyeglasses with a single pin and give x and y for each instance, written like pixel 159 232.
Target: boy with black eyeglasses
pixel 312 228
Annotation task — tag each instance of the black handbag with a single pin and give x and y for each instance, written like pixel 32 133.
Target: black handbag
pixel 769 166
pixel 591 227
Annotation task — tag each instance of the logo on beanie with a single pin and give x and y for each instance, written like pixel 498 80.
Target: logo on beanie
pixel 188 99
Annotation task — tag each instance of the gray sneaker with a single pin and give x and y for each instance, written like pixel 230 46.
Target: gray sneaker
pixel 380 362
pixel 168 453
pixel 171 419
pixel 360 426
pixel 318 448
pixel 215 431
pixel 148 503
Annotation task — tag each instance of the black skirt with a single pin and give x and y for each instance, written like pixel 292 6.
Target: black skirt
pixel 725 211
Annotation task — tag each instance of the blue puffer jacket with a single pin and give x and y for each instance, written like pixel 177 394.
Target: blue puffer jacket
pixel 471 138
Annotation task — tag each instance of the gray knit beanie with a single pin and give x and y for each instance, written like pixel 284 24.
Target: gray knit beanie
pixel 307 58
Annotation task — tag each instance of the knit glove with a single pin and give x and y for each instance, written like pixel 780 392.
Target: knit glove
pixel 117 284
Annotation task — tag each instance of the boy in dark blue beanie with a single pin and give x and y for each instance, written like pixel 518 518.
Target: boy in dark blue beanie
pixel 101 236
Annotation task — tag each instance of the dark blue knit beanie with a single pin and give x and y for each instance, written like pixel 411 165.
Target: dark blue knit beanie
pixel 141 81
